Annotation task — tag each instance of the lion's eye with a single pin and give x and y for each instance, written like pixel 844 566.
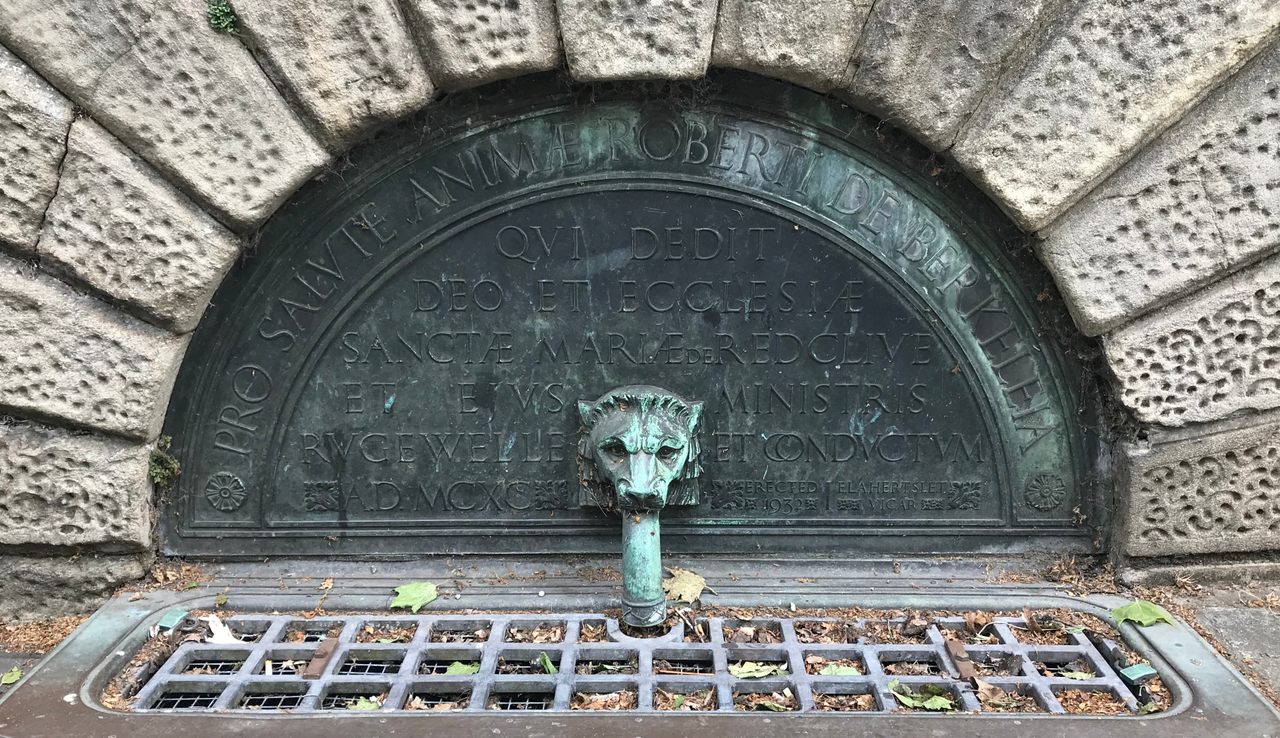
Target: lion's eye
pixel 614 449
pixel 667 453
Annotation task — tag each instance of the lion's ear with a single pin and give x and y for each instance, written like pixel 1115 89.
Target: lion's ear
pixel 695 414
pixel 584 412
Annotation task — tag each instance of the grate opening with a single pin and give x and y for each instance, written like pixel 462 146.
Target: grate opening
pixel 606 661
pixel 212 667
pixel 354 698
pixel 386 631
pixel 675 697
pixel 912 664
pixel 364 664
pixel 185 700
pixel 438 701
pixel 996 663
pixel 605 701
pixel 312 632
pixel 833 698
pixel 522 701
pixel 827 631
pixel 752 632
pixel 290 662
pixel 270 701
pixel 468 631
pixel 529 662
pixel 535 631
pixel 248 631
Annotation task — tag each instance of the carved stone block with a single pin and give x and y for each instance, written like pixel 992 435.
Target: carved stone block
pixel 190 100
pixel 352 64
pixel 71 359
pixel 73 489
pixel 1214 491
pixel 471 42
pixel 637 39
pixel 925 66
pixel 33 131
pixel 1196 203
pixel 1206 357
pixel 1106 77
pixel 806 42
pixel 121 229
pixel 35 587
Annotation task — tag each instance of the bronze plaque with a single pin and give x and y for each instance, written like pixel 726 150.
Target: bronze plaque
pixel 396 369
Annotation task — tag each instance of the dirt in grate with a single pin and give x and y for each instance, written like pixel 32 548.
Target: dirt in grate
pixel 699 701
pixel 438 703
pixel 844 702
pixel 752 632
pixel 386 634
pixel 620 700
pixel 911 668
pixel 593 633
pixel 783 701
pixel 540 633
pixel 832 667
pixel 819 631
pixel 1091 702
pixel 606 666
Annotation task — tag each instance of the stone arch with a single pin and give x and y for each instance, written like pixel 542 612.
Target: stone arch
pixel 1136 141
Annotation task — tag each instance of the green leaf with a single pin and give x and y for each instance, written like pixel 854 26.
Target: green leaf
pixel 414 595
pixel 755 670
pixel 938 703
pixel 545 662
pixel 463 667
pixel 931 696
pixel 1077 675
pixel 1143 613
pixel 678 702
pixel 220 600
pixel 838 670
pixel 774 706
pixel 10 676
pixel 364 703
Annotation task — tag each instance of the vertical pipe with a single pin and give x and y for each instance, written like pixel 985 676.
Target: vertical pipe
pixel 643 603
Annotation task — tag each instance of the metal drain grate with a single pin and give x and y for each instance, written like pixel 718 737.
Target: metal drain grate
pixel 516 663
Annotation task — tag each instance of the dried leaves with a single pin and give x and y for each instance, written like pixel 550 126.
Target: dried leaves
pixel 683 585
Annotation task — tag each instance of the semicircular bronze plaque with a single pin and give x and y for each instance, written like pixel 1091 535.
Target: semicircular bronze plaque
pixel 397 368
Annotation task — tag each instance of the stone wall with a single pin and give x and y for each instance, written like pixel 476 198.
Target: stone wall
pixel 1139 141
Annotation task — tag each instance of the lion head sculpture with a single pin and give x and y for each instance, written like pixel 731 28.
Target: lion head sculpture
pixel 639 449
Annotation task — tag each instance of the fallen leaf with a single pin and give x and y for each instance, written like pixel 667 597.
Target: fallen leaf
pixel 755 670
pixel 414 595
pixel 326 585
pixel 928 697
pixel 220 600
pixel 1143 613
pixel 11 676
pixel 462 668
pixel 545 662
pixel 1077 675
pixel 677 702
pixel 364 703
pixel 839 670
pixel 683 585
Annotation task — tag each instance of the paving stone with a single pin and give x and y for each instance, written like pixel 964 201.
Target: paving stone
pixel 190 100
pixel 637 39
pixel 73 488
pixel 1106 77
pixel 1205 357
pixel 1207 490
pixel 121 229
pixel 69 358
pixel 351 63
pixel 1251 634
pixel 925 66
pixel 802 41
pixel 38 587
pixel 1196 203
pixel 471 42
pixel 33 130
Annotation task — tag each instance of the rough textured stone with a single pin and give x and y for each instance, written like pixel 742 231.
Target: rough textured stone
pixel 925 66
pixel 38 587
pixel 1206 357
pixel 351 63
pixel 33 131
pixel 1197 202
pixel 190 100
pixel 471 42
pixel 1105 78
pixel 119 228
pixel 803 41
pixel 72 359
pixel 1212 491
pixel 1251 636
pixel 637 39
pixel 73 489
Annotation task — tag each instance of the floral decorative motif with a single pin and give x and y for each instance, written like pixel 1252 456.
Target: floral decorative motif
pixel 965 495
pixel 225 492
pixel 320 496
pixel 1045 491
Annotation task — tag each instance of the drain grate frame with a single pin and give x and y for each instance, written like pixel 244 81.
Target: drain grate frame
pixel 510 672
